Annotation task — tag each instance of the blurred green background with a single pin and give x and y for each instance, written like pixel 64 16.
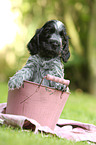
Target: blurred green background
pixel 19 20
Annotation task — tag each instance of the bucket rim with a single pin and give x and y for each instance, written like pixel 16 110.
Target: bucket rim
pixel 40 85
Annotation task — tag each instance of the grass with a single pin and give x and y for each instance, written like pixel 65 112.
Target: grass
pixel 79 107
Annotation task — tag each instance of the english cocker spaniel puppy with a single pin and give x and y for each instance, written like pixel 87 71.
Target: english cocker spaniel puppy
pixel 48 49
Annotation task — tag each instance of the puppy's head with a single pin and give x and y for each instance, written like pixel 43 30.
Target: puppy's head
pixel 50 41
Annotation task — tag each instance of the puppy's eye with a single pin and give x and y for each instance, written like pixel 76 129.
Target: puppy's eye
pixel 52 30
pixel 46 30
pixel 49 30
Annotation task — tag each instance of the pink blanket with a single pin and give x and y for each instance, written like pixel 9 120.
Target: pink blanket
pixel 69 129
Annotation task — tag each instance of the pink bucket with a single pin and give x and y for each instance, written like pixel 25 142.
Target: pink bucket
pixel 38 102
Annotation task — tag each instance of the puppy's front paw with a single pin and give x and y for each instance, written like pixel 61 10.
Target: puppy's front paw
pixel 15 83
pixel 65 88
pixel 62 88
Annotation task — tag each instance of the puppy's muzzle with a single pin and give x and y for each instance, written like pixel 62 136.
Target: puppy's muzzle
pixel 56 42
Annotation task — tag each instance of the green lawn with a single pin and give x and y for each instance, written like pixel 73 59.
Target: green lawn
pixel 79 107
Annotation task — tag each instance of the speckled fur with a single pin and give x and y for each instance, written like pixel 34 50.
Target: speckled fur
pixel 45 59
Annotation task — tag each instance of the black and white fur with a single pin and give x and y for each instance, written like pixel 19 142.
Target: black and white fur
pixel 48 48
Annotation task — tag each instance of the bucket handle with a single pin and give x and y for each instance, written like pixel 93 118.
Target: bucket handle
pixel 56 79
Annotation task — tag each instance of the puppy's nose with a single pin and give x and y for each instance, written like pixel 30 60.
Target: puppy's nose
pixel 54 37
pixel 57 39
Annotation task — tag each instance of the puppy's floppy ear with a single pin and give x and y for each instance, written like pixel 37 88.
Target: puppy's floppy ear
pixel 34 43
pixel 65 54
